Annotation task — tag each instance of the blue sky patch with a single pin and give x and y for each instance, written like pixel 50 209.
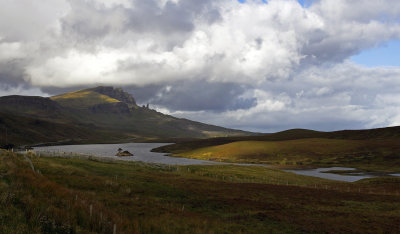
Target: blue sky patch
pixel 387 54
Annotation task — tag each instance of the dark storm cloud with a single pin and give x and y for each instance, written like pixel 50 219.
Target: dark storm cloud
pixel 194 96
pixel 12 73
pixel 201 95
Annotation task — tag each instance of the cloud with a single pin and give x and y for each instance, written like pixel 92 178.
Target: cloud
pixel 322 98
pixel 22 90
pixel 202 95
pixel 253 65
pixel 176 41
pixel 350 27
pixel 152 42
pixel 27 21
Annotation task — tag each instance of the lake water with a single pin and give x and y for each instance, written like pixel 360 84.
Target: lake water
pixel 141 152
pixel 321 173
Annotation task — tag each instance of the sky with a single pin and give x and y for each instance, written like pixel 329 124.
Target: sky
pixel 262 66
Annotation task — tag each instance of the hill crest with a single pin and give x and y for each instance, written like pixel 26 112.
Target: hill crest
pixel 106 109
pixel 116 93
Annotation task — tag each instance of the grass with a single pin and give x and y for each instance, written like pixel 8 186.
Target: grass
pixel 150 198
pixel 370 155
pixel 184 145
pixel 82 99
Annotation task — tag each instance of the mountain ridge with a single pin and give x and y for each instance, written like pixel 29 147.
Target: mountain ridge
pixel 117 93
pixel 105 109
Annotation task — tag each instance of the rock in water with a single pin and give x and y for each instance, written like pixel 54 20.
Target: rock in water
pixel 124 154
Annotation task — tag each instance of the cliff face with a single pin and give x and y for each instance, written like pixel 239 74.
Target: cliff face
pixel 116 93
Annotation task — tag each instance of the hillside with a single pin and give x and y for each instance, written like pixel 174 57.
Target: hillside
pixel 82 99
pixel 372 149
pixel 111 108
pixel 292 134
pixel 33 107
pixel 23 130
pixel 101 114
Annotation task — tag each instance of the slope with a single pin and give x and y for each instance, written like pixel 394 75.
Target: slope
pixel 21 130
pixel 86 115
pixel 114 109
pixel 291 134
pixel 82 99
pixel 372 149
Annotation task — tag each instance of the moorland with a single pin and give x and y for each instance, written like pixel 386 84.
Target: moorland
pixel 72 195
pixel 374 150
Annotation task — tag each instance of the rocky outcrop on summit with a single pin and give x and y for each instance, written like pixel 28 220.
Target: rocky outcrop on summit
pixel 116 93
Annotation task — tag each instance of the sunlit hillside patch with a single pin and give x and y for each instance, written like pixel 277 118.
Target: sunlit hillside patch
pixel 83 98
pixel 301 152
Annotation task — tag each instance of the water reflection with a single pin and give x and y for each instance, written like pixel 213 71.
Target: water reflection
pixel 322 173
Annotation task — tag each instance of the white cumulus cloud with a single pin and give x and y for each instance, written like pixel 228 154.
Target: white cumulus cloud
pixel 251 65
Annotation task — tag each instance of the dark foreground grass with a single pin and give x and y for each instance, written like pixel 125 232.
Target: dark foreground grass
pixel 89 196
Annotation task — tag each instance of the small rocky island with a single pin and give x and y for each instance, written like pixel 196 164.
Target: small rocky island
pixel 124 153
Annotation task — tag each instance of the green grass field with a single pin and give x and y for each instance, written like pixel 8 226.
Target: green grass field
pixel 67 195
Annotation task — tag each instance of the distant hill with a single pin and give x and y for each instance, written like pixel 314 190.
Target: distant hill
pixel 291 134
pixel 364 134
pixel 101 114
pixel 372 149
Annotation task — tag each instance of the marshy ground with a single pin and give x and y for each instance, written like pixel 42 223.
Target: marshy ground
pixel 67 195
